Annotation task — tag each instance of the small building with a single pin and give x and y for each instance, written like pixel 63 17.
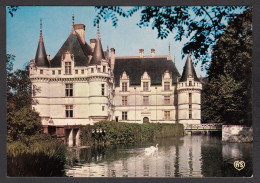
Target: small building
pixel 83 84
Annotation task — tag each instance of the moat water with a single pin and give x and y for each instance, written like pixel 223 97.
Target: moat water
pixel 188 156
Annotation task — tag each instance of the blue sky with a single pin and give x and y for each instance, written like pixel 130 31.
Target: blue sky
pixel 127 38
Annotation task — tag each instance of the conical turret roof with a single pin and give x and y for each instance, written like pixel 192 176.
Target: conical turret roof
pixel 41 56
pixel 188 71
pixel 98 54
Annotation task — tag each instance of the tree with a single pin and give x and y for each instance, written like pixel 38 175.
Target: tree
pixel 22 121
pixel 203 25
pixel 12 9
pixel 22 124
pixel 227 96
pixel 19 87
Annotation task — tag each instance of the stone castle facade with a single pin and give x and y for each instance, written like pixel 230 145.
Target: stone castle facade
pixel 83 84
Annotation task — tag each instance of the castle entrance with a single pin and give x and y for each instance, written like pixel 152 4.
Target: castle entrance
pixel 145 120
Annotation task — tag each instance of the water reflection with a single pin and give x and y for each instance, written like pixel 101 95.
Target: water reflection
pixel 189 156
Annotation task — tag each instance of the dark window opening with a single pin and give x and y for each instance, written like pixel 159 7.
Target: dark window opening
pixel 67 67
pixel 124 115
pixel 69 90
pixel 124 86
pixel 69 111
pixel 102 89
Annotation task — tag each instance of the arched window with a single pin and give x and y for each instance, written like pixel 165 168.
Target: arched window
pixel 145 120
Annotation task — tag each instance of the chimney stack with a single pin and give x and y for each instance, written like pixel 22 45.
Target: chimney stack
pixel 153 52
pixel 113 51
pixel 141 51
pixel 80 29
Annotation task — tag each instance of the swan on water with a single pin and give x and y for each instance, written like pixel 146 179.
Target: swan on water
pixel 151 150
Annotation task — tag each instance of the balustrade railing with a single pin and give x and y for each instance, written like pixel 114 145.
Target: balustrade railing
pixel 210 126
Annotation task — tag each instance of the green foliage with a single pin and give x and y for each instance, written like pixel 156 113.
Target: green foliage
pixel 22 124
pixel 22 121
pixel 203 25
pixel 40 155
pixel 108 132
pixel 12 9
pixel 19 88
pixel 227 94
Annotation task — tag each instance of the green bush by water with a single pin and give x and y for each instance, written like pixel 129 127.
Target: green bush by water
pixel 107 132
pixel 39 156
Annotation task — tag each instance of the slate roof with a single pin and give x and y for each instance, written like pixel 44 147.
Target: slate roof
pixel 80 50
pixel 188 70
pixel 41 56
pixel 98 54
pixel 135 67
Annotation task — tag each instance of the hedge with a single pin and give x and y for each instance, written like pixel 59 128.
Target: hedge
pixel 107 132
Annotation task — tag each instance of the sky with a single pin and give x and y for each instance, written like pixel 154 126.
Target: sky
pixel 23 30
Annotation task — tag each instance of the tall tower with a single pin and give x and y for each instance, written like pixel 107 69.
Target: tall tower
pixel 100 85
pixel 189 95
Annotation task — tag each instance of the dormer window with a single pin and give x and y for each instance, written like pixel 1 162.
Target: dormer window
pixel 82 71
pixel 67 67
pixel 104 68
pixel 124 86
pixel 41 71
pixel 166 86
pixel 92 70
pixel 59 72
pixel 53 72
pixel 98 69
pixel 190 83
pixel 145 86
pixel 76 71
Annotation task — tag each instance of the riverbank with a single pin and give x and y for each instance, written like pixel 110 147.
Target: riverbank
pixel 40 156
pixel 108 132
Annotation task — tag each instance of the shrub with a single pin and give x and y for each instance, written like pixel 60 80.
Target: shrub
pixel 107 132
pixel 40 155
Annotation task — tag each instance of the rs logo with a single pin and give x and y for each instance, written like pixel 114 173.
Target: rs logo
pixel 239 165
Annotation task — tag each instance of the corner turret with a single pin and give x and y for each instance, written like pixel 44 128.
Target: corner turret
pixel 41 59
pixel 98 54
pixel 189 95
pixel 189 71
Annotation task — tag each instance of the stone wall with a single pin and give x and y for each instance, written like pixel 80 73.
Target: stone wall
pixel 237 133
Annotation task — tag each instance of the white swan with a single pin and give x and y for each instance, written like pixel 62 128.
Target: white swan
pixel 151 150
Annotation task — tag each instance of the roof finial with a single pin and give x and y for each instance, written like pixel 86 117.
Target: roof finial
pixel 41 39
pixel 169 49
pixel 98 34
pixel 73 19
